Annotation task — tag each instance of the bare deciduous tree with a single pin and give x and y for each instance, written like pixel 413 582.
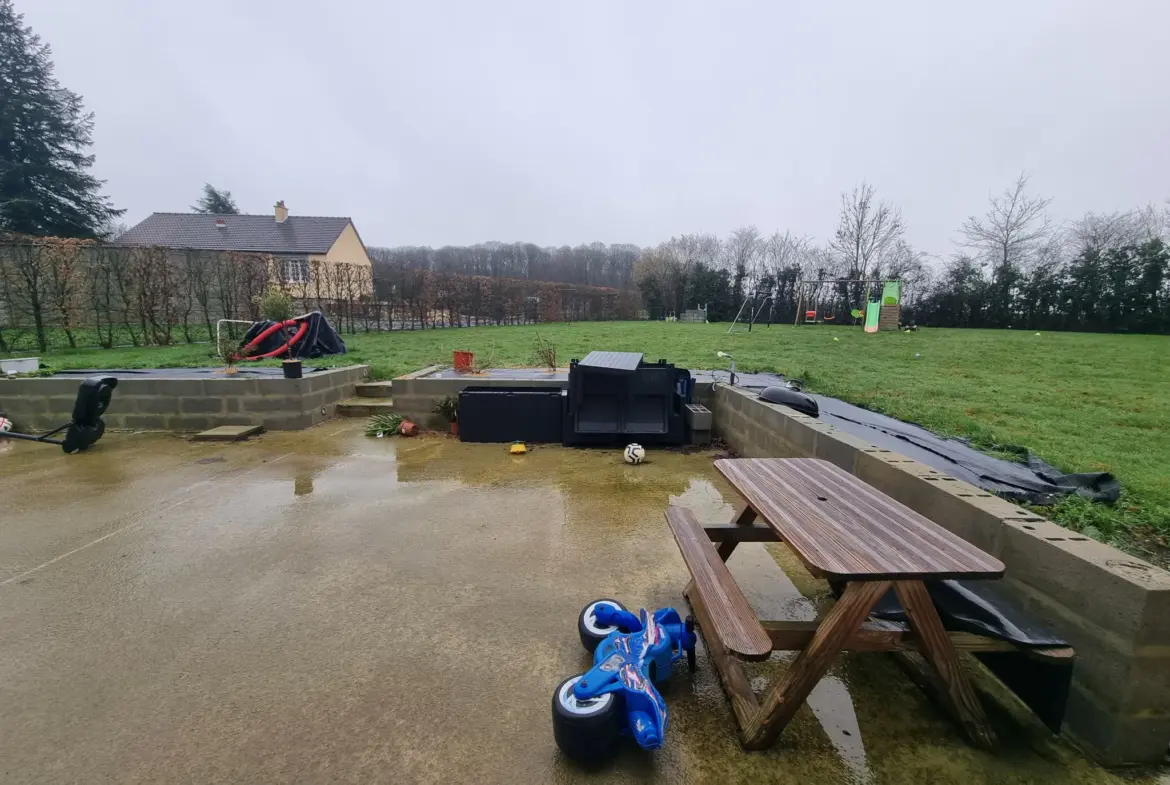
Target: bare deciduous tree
pixel 685 252
pixel 63 267
pixel 901 262
pixel 22 275
pixel 197 288
pixel 1008 237
pixel 1013 227
pixel 865 230
pixel 785 251
pixel 742 254
pixel 1100 230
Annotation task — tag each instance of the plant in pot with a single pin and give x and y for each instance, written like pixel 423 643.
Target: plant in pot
pixel 276 306
pixel 448 409
pixel 229 352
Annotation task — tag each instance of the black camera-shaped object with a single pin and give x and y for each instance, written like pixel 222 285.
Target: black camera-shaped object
pixel 87 426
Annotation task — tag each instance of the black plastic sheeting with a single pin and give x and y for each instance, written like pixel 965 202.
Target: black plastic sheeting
pixel 978 607
pixel 319 340
pixel 1033 481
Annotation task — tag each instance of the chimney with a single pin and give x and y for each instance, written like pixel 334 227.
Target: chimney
pixel 220 223
pixel 281 212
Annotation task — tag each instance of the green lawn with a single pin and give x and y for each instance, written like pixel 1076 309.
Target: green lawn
pixel 1083 402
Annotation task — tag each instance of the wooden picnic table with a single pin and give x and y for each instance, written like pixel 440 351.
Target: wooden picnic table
pixel 852 535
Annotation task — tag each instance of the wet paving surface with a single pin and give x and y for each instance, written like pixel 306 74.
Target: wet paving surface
pixel 326 607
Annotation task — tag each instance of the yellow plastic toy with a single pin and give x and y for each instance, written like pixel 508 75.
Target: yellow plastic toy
pixel 517 448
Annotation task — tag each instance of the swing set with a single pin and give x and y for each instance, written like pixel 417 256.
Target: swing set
pixel 882 313
pixel 754 303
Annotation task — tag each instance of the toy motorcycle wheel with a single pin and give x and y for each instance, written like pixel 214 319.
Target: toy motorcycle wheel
pixel 587 732
pixel 591 631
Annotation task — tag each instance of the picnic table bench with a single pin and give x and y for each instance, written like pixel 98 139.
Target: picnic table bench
pixel 860 540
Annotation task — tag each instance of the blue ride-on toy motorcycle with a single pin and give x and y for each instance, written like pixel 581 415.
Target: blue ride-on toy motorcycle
pixel 593 711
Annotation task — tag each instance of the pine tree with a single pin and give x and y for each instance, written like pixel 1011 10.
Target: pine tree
pixel 216 202
pixel 45 184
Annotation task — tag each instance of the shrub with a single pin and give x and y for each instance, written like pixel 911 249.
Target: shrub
pixel 546 352
pixel 275 305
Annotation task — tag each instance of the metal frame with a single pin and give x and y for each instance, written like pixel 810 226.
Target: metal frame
pixel 755 312
pixel 44 437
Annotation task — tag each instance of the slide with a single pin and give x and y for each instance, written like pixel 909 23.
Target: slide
pixel 873 312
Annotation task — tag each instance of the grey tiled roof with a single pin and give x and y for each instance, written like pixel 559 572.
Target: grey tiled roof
pixel 299 234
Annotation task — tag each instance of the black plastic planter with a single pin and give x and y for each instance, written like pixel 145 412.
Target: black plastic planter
pixel 291 368
pixel 511 414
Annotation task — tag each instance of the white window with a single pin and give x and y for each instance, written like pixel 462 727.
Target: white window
pixel 296 270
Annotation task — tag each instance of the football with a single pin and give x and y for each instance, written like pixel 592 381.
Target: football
pixel 5 424
pixel 635 453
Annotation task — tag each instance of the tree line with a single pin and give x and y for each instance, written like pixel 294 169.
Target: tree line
pixel 1013 267
pixel 66 292
pixel 595 264
pixel 1104 272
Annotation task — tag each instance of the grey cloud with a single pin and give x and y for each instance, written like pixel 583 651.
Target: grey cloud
pixel 435 123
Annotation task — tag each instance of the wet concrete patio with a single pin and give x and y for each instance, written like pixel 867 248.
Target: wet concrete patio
pixel 325 607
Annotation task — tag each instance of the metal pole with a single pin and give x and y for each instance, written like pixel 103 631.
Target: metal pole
pixel 30 438
pixel 737 315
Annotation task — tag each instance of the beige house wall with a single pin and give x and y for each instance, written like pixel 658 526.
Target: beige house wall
pixel 348 249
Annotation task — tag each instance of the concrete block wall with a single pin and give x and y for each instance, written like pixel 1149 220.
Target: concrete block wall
pixel 1112 607
pixel 704 395
pixel 416 394
pixel 185 404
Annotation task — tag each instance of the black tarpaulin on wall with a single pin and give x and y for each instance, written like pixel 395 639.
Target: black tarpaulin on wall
pixel 1032 480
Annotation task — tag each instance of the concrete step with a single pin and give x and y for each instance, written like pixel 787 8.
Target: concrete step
pixel 364 407
pixel 374 390
pixel 229 433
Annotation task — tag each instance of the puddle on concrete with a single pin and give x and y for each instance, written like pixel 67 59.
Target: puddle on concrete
pixel 321 606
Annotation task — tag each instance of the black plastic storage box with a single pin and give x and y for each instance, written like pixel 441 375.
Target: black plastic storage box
pixel 615 398
pixel 511 414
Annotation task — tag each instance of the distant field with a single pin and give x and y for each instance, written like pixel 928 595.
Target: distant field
pixel 1084 402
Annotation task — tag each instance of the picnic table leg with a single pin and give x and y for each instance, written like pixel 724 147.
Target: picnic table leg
pixel 746 517
pixel 787 693
pixel 956 691
pixel 730 669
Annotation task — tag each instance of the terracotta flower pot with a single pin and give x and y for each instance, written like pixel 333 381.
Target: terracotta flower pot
pixel 455 428
pixel 407 429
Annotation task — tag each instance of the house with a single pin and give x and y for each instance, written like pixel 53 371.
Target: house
pixel 301 246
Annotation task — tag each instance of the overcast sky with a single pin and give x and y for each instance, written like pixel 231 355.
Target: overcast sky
pixel 555 122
